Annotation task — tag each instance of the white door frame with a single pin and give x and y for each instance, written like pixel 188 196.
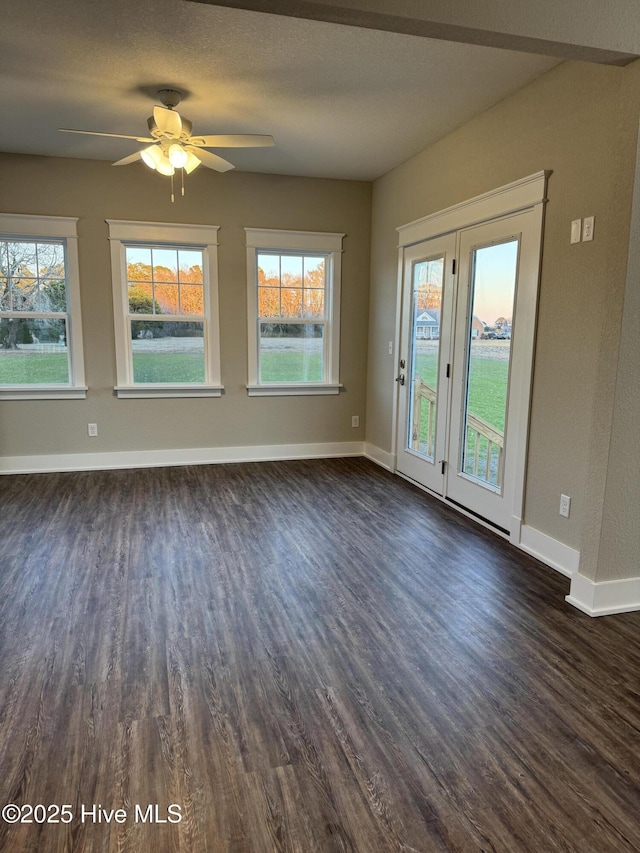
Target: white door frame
pixel 527 194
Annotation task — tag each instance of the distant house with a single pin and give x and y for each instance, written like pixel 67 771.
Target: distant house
pixel 477 327
pixel 428 325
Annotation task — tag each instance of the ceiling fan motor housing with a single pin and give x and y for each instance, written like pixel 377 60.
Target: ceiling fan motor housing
pixel 170 97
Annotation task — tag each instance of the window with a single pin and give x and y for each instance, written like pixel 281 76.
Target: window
pixel 293 298
pixel 40 332
pixel 165 296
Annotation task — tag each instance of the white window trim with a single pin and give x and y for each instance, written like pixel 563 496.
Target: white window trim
pixel 14 226
pixel 123 232
pixel 275 240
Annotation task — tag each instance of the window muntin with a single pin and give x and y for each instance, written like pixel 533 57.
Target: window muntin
pixel 40 334
pixel 293 281
pixel 165 302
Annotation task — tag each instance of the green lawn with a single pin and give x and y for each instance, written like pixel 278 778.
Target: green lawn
pixel 487 386
pixel 34 368
pixel 30 368
pixel 290 367
pixel 173 367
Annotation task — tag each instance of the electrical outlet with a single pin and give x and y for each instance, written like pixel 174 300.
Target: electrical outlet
pixel 92 430
pixel 587 230
pixel 565 505
pixel 355 420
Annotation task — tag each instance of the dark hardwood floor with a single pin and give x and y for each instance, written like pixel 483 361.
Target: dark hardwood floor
pixel 303 656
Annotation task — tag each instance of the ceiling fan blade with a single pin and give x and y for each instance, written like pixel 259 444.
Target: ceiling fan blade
pixel 168 122
pixel 237 140
pixel 113 135
pixel 130 159
pixel 211 161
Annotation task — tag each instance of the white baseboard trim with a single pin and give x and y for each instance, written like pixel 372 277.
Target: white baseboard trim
pixel 556 554
pixel 380 457
pixel 606 597
pixel 164 458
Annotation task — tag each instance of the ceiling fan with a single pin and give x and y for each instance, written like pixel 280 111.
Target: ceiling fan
pixel 173 145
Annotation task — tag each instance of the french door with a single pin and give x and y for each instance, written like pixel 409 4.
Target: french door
pixel 464 374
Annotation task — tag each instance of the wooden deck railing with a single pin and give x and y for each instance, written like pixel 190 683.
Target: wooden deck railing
pixel 476 429
pixel 478 464
pixel 423 392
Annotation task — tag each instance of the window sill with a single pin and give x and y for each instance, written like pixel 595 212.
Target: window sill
pixel 43 392
pixel 160 390
pixel 292 389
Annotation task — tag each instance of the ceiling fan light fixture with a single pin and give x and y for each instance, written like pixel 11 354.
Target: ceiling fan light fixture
pixel 150 156
pixel 178 157
pixel 164 166
pixel 192 162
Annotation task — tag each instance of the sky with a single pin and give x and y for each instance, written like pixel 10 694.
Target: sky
pixel 494 284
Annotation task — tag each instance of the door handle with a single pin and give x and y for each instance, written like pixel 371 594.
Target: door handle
pixel 400 379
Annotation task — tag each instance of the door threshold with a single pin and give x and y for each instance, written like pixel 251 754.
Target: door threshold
pixel 473 516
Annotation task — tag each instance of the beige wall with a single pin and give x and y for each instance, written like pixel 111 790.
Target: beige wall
pixel 581 122
pixel 95 191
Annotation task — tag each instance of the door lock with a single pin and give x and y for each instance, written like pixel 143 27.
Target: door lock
pixel 400 379
pixel 402 363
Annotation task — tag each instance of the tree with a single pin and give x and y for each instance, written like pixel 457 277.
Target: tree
pixel 429 296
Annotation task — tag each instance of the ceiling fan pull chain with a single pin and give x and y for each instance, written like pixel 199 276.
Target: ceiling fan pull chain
pixel 182 173
pixel 173 198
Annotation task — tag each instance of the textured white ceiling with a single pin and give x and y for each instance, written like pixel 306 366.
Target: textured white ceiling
pixel 340 101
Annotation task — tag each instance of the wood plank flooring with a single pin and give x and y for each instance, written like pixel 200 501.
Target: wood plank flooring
pixel 303 656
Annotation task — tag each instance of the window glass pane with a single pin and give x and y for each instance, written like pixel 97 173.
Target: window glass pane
pixel 33 352
pixel 291 302
pixel 51 260
pixel 167 352
pixel 269 270
pixel 165 264
pixel 314 303
pixel 22 258
pixel 291 271
pixel 426 305
pixel 314 271
pixel 191 264
pixel 269 301
pixel 138 264
pixel 25 294
pixel 291 352
pixel 5 294
pixel 494 274
pixel 191 299
pixel 166 297
pixel 141 299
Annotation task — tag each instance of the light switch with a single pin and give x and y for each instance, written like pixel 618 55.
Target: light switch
pixel 576 230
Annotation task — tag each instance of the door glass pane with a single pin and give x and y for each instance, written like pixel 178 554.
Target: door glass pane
pixel 493 286
pixel 426 304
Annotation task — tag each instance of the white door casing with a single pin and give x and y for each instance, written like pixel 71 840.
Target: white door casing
pixel 511 213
